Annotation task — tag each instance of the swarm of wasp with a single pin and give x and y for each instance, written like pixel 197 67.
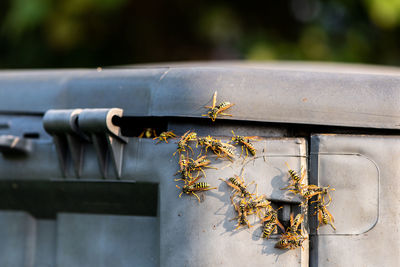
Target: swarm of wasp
pixel 217 110
pixel 183 142
pixel 164 136
pixel 244 141
pixel 191 187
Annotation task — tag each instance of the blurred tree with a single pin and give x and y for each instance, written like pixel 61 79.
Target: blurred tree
pixel 90 33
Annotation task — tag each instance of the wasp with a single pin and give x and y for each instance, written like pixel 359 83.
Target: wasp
pixel 193 187
pixel 222 150
pixel 164 136
pixel 244 141
pixel 296 185
pixel 189 165
pixel 270 222
pixel 295 223
pixel 238 184
pixel 217 110
pixel 148 133
pixel 324 216
pixel 294 176
pixel 258 203
pixel 242 213
pixel 206 142
pixel 184 170
pixel 290 241
pixel 183 142
pixel 314 190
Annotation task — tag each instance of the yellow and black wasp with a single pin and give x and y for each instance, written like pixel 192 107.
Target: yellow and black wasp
pixel 191 187
pixel 295 185
pixel 244 141
pixel 183 142
pixel 295 223
pixel 270 222
pixel 188 165
pixel 258 203
pixel 242 212
pixel 288 241
pixel 321 192
pixel 237 184
pixel 217 110
pixel 148 133
pixel 222 150
pixel 164 136
pixel 324 216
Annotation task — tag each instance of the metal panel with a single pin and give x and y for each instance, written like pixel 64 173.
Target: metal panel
pixel 202 234
pixel 364 171
pixel 103 240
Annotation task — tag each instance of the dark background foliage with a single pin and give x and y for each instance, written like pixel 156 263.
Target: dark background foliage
pixel 91 33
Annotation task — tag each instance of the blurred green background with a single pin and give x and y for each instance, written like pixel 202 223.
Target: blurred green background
pixel 91 33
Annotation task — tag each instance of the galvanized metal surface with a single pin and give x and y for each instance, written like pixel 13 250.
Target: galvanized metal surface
pixel 260 94
pixel 364 170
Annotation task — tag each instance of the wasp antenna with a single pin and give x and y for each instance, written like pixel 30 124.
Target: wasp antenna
pixel 287 165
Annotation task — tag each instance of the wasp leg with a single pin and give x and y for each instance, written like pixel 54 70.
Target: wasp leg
pixel 190 149
pixel 329 201
pixel 247 154
pixel 196 196
pixel 248 224
pixel 241 152
pixel 203 172
pixel 225 114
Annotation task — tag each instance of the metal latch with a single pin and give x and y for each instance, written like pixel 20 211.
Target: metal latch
pixel 72 129
pixel 10 144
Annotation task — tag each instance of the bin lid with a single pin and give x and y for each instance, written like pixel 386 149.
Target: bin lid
pixel 282 92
